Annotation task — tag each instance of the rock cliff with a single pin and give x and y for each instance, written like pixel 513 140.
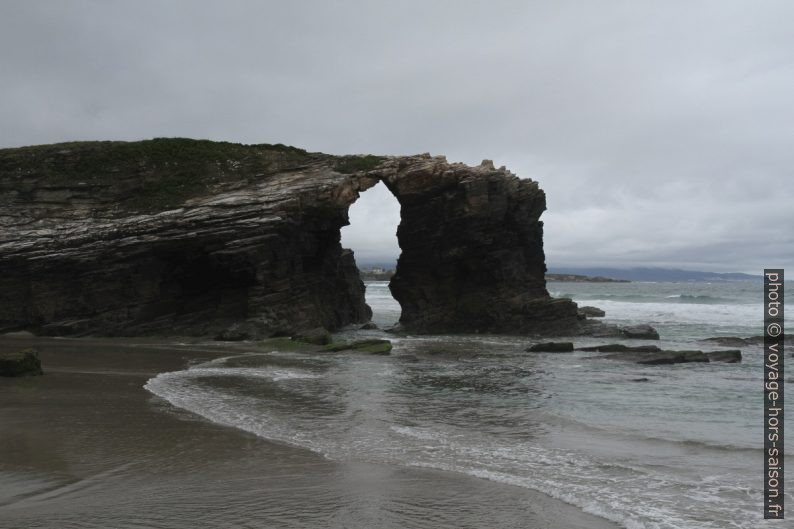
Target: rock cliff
pixel 179 236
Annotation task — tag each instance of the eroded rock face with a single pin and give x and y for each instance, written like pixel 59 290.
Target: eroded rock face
pixel 175 236
pixel 472 250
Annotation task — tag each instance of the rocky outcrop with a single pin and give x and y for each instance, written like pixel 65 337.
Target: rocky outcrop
pixel 472 250
pixel 551 347
pixel 177 236
pixel 591 312
pixel 640 332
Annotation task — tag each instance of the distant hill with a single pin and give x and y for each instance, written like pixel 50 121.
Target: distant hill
pixel 583 279
pixel 656 274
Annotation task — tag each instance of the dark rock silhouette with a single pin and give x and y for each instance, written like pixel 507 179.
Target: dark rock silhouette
pixel 621 348
pixel 730 356
pixel 551 347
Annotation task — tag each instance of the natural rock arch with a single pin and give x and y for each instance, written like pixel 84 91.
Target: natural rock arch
pixel 177 236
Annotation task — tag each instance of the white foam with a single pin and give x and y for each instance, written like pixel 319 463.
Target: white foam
pixel 633 493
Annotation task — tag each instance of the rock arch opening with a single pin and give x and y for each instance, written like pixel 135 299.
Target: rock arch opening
pixel 372 236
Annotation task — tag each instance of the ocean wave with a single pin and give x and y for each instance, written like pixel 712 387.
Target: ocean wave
pixel 596 485
pixel 651 298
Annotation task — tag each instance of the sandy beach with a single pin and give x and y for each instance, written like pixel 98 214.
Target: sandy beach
pixel 86 446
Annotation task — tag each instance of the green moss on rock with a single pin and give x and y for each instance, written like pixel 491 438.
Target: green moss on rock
pixel 155 174
pixel 20 363
pixel 371 346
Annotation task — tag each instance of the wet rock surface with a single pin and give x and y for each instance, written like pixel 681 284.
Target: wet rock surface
pixel 658 357
pixel 661 357
pixel 731 356
pixel 551 347
pixel 621 348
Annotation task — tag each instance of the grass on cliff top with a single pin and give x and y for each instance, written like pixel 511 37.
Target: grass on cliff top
pixel 354 164
pixel 157 173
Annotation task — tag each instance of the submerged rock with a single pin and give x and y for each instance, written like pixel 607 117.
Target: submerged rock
pixel 662 357
pixel 730 356
pixel 20 363
pixel 369 326
pixel 647 355
pixel 640 332
pixel 620 348
pixel 591 312
pixel 551 347
pixel 735 341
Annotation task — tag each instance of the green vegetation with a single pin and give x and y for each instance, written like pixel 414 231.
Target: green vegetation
pixel 354 164
pixel 149 175
pixel 372 346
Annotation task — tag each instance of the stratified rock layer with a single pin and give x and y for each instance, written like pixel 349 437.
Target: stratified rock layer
pixel 177 236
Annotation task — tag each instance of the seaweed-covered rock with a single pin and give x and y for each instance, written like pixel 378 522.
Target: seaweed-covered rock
pixel 20 363
pixel 372 346
pixel 316 336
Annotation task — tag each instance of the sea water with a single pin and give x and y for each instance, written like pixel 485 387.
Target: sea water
pixel 682 449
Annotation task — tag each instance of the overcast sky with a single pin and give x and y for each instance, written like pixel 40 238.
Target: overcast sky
pixel 662 132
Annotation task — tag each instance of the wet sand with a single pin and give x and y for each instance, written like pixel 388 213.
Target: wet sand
pixel 86 446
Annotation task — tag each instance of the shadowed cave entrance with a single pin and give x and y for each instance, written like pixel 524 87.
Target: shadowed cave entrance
pixel 372 235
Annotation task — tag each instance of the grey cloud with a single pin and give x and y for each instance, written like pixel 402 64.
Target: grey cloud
pixel 660 131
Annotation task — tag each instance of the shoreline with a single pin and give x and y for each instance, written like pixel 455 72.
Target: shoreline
pixel 86 444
